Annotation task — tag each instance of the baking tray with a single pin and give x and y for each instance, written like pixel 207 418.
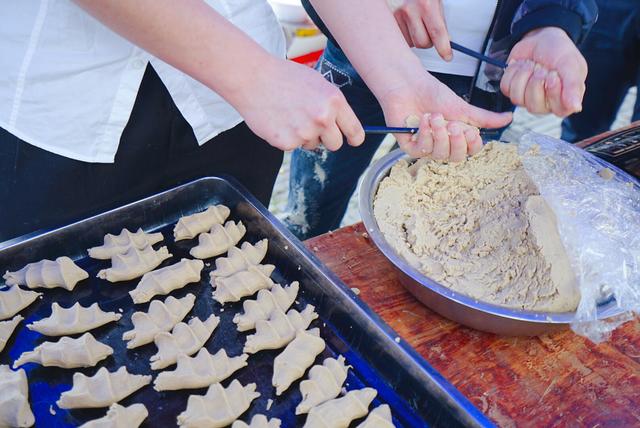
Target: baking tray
pixel 417 393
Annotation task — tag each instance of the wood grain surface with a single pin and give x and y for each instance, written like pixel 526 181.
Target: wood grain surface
pixel 559 380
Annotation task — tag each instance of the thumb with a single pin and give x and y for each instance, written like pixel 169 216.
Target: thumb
pixel 482 118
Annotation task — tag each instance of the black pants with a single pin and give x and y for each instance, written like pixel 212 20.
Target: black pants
pixel 157 151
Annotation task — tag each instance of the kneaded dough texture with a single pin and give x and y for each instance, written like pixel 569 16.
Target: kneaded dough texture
pixel 219 240
pixel 278 298
pixel 7 328
pixel 219 407
pixel 164 281
pixel 67 353
pixel 239 259
pixel 14 399
pixel 123 242
pixel 134 263
pixel 324 383
pixel 190 226
pixel 279 329
pixel 102 389
pixel 120 417
pixel 14 299
pixel 340 412
pixel 291 364
pixel 61 272
pixel 480 228
pixel 242 284
pixel 258 421
pixel 73 320
pixel 162 316
pixel 380 417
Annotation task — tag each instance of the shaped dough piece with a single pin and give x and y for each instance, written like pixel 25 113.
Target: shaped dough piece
pixel 134 263
pixel 219 407
pixel 258 421
pixel 7 328
pixel 162 316
pixel 242 284
pixel 102 389
pixel 14 299
pixel 120 417
pixel 380 417
pixel 279 330
pixel 200 371
pixel 324 384
pixel 240 259
pixel 164 281
pixel 190 226
pixel 184 339
pixel 263 306
pixel 14 399
pixel 67 353
pixel 291 364
pixel 120 244
pixel 73 320
pixel 219 240
pixel 62 273
pixel 339 412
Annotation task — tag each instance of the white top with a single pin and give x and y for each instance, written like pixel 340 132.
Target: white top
pixel 68 83
pixel 468 23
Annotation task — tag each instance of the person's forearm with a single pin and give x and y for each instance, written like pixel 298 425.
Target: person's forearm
pixel 191 36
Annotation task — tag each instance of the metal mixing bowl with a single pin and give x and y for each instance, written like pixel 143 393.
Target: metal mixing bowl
pixel 448 303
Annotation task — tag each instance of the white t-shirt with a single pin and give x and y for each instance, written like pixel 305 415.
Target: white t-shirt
pixel 68 83
pixel 468 23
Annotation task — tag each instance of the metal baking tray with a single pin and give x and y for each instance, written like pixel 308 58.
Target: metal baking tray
pixel 457 306
pixel 417 393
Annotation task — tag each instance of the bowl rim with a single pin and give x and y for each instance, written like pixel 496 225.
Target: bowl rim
pixel 367 191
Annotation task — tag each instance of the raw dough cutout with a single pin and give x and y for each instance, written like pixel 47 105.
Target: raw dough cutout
pixel 134 263
pixel 164 281
pixel 258 421
pixel 263 306
pixel 339 412
pixel 279 329
pixel 240 259
pixel 67 353
pixel 120 244
pixel 162 316
pixel 7 328
pixel 73 320
pixel 219 240
pixel 200 371
pixel 219 407
pixel 324 384
pixel 62 272
pixel 14 299
pixel 184 339
pixel 380 417
pixel 14 399
pixel 120 417
pixel 242 284
pixel 190 226
pixel 291 364
pixel 102 389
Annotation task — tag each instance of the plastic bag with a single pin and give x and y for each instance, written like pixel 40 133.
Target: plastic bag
pixel 598 211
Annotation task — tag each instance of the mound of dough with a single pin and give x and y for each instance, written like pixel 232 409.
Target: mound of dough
pixel 340 412
pixel 279 329
pixel 7 328
pixel 14 399
pixel 120 244
pixel 324 383
pixel 258 421
pixel 380 417
pixel 120 417
pixel 242 284
pixel 102 389
pixel 219 240
pixel 219 407
pixel 62 272
pixel 73 320
pixel 14 299
pixel 164 281
pixel 239 259
pixel 480 228
pixel 291 364
pixel 67 353
pixel 134 263
pixel 190 226
pixel 278 298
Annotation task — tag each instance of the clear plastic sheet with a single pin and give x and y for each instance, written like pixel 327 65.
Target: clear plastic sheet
pixel 598 211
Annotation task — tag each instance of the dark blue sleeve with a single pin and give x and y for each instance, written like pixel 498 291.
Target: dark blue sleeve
pixel 576 17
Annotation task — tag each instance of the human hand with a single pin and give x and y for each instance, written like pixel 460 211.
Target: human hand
pixel 290 105
pixel 546 73
pixel 423 25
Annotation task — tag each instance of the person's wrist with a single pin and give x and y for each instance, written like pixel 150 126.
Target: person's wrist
pixel 252 78
pixel 397 81
pixel 547 31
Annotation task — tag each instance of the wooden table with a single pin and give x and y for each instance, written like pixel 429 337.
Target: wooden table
pixel 556 380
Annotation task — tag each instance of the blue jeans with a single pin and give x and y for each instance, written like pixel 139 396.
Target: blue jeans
pixel 612 51
pixel 322 182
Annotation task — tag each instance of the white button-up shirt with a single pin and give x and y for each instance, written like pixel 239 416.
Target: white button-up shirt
pixel 68 83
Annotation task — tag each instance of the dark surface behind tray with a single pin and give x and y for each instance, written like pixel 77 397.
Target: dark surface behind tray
pixel 417 394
